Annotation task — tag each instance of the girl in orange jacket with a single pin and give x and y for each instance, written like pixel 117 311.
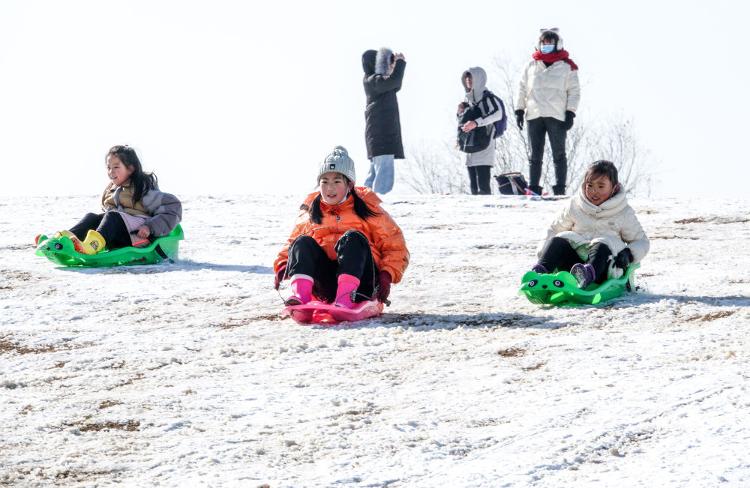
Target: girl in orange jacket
pixel 344 247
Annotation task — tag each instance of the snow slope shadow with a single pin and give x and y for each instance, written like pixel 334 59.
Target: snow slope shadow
pixel 178 265
pixel 432 321
pixel 719 301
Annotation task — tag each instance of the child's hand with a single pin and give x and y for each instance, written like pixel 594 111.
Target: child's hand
pixel 624 258
pixel 461 108
pixel 469 126
pixel 144 232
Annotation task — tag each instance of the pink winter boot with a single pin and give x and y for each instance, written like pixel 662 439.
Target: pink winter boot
pixel 302 286
pixel 348 285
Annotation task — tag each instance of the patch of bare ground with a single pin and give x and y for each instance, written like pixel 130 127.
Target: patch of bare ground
pixel 709 317
pixel 511 352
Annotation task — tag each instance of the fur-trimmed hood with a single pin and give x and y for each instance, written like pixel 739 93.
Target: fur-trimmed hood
pixel 383 61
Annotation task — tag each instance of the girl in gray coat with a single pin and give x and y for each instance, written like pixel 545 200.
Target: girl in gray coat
pixel 134 210
pixel 477 115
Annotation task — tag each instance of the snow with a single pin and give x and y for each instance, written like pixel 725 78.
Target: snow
pixel 184 374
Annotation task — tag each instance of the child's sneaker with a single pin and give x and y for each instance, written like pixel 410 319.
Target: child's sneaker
pixel 539 269
pixel 93 243
pixel 584 274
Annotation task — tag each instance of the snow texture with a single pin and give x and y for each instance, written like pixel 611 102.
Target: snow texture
pixel 184 374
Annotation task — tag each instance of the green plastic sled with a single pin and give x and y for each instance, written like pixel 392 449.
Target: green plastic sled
pixel 60 250
pixel 561 288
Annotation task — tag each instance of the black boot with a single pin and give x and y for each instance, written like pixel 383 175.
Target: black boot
pixel 559 189
pixel 536 189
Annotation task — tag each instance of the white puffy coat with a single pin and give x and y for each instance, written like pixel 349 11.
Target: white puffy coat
pixel 548 91
pixel 613 223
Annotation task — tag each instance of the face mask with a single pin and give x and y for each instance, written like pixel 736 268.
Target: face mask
pixel 547 48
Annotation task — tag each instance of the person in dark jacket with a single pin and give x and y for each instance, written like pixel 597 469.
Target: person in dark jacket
pixel 384 72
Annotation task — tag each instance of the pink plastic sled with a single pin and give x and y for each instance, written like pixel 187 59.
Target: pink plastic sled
pixel 322 313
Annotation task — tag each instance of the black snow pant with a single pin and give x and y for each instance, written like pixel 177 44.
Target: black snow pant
pixel 354 257
pixel 559 255
pixel 537 129
pixel 110 225
pixel 479 178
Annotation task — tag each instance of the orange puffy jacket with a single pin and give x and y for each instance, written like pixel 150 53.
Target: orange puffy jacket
pixel 385 237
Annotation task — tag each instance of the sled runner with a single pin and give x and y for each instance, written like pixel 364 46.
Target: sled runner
pixel 321 313
pixel 60 250
pixel 561 288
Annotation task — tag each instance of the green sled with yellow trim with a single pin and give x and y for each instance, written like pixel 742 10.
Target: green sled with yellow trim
pixel 60 251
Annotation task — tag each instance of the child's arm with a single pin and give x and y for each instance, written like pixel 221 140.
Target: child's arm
pixel 165 210
pixel 389 240
pixel 632 233
pixel 300 228
pixel 562 222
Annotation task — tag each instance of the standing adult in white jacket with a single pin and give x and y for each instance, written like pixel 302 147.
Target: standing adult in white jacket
pixel 547 99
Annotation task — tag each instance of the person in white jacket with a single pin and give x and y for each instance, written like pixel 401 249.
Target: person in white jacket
pixel 548 96
pixel 477 115
pixel 598 234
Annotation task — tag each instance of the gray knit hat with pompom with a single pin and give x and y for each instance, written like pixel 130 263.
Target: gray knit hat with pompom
pixel 338 162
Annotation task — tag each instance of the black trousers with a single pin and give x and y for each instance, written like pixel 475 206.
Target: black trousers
pixel 479 179
pixel 110 225
pixel 354 257
pixel 537 129
pixel 559 255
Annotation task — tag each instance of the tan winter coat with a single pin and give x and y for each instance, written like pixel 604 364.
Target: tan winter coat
pixel 613 223
pixel 162 211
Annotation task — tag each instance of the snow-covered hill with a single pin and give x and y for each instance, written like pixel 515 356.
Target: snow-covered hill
pixel 184 374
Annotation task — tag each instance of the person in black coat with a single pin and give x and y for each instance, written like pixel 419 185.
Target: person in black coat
pixel 384 72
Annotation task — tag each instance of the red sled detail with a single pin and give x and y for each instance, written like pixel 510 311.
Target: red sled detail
pixel 326 314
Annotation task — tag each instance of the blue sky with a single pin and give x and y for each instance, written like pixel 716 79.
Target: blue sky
pixel 225 97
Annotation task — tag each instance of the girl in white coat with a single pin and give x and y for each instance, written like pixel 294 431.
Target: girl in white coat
pixel 597 234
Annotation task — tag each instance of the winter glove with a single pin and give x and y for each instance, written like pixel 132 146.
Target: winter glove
pixel 279 276
pixel 384 286
pixel 624 258
pixel 519 119
pixel 569 116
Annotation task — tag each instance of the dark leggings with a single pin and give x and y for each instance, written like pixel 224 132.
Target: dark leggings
pixel 354 257
pixel 537 129
pixel 479 180
pixel 559 255
pixel 110 225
